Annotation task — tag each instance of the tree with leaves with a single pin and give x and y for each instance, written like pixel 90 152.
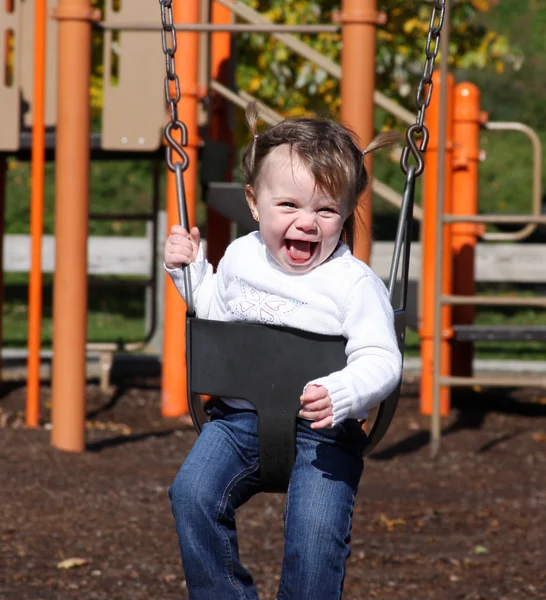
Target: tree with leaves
pixel 288 83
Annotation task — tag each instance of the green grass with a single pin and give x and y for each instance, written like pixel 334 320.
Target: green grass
pixel 115 187
pixel 115 312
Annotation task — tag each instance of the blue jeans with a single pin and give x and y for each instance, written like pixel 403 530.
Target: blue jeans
pixel 222 472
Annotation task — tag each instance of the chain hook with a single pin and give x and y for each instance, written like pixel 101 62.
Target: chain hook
pixel 419 131
pixel 415 147
pixel 172 92
pixel 176 147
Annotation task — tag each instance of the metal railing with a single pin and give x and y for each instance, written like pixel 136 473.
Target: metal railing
pixel 536 191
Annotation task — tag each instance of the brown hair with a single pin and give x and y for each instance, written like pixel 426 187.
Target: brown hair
pixel 329 150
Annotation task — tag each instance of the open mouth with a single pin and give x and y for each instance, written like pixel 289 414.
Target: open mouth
pixel 300 251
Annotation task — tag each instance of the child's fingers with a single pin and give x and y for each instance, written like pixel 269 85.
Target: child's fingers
pixel 326 422
pixel 178 245
pixel 317 410
pixel 316 415
pixel 316 405
pixel 179 250
pixel 178 230
pixel 314 392
pixel 195 235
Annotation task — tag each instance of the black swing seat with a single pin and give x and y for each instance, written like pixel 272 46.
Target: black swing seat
pixel 269 366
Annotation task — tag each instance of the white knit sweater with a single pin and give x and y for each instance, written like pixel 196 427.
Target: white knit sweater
pixel 342 296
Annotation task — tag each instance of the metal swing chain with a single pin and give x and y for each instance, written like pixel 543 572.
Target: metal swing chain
pixel 172 89
pixel 417 135
pixel 177 164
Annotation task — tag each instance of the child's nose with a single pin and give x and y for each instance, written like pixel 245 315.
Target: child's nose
pixel 307 222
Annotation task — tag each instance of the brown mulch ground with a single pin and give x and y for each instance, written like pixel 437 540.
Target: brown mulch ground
pixel 469 525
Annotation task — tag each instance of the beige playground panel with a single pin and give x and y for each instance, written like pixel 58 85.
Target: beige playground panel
pixel 16 97
pixel 134 106
pixel 9 91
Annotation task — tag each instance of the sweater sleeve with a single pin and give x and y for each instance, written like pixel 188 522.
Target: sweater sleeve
pixel 374 362
pixel 202 283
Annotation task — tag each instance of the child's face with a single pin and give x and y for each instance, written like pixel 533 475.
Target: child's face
pixel 300 225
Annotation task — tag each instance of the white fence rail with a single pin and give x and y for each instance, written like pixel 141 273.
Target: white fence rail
pixel 513 263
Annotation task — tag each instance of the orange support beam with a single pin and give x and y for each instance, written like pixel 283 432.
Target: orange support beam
pixel 218 227
pixel 71 229
pixel 359 19
pixel 36 217
pixel 468 119
pixel 174 400
pixel 429 266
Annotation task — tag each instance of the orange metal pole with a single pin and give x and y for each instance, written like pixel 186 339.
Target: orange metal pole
pixel 468 119
pixel 174 400
pixel 36 216
pixel 218 227
pixel 359 19
pixel 429 266
pixel 71 229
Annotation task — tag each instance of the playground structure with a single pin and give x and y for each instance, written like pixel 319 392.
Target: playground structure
pixel 133 122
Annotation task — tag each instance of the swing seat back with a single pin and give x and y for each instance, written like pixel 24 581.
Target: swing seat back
pixel 268 366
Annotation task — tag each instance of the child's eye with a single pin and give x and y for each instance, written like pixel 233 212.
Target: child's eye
pixel 328 209
pixel 288 204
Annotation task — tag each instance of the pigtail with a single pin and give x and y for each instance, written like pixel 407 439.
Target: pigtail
pixel 252 116
pixel 384 140
pixel 350 227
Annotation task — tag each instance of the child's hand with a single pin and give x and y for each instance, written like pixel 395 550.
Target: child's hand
pixel 317 406
pixel 181 247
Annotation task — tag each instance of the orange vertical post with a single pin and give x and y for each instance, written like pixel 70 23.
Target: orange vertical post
pixel 468 119
pixel 218 227
pixel 359 19
pixel 36 217
pixel 429 267
pixel 174 400
pixel 71 228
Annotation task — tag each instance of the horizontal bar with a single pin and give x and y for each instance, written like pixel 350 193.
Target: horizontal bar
pixel 518 219
pixel 96 282
pixel 494 381
pixel 114 346
pixel 95 147
pixel 499 333
pixel 122 216
pixel 215 28
pixel 493 301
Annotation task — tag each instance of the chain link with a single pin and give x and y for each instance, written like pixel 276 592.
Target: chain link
pixel 172 90
pixel 417 135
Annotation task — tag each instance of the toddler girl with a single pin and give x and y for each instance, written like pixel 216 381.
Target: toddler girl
pixel 304 178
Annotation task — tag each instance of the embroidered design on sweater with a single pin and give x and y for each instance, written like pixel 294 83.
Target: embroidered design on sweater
pixel 261 307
